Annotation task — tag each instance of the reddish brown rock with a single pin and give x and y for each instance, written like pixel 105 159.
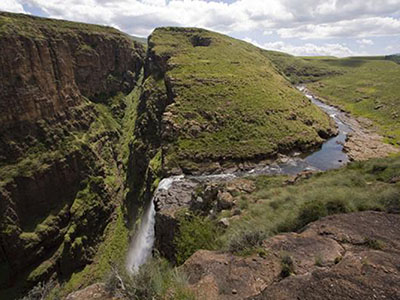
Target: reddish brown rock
pixel 348 256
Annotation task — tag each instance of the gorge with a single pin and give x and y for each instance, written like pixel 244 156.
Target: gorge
pixel 110 149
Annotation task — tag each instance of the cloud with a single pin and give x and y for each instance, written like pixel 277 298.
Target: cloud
pixel 295 18
pixel 12 6
pixel 332 22
pixel 375 26
pixel 308 49
pixel 365 42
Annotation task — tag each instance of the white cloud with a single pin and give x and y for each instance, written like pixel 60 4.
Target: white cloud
pixel 12 6
pixel 365 42
pixel 294 18
pixel 308 49
pixel 375 26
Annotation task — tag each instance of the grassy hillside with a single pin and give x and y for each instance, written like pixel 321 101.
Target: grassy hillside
pixel 30 25
pixel 365 86
pixel 229 101
pixel 368 88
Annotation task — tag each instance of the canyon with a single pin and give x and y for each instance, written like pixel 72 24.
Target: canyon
pixel 108 145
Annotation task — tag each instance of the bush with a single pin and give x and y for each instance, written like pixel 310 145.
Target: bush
pixel 247 241
pixel 287 266
pixel 374 244
pixel 155 280
pixel 195 232
pixel 314 210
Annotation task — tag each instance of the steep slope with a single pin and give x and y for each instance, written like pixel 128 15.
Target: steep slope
pixel 61 166
pixel 224 103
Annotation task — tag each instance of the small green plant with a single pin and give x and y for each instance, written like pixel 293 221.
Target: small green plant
pixel 247 242
pixel 338 259
pixel 374 243
pixel 319 261
pixel 155 280
pixel 287 266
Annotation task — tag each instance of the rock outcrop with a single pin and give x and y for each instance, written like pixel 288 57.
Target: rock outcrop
pixel 348 256
pixel 197 195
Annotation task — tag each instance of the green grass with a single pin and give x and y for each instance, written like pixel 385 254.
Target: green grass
pixel 156 279
pixel 109 135
pixel 276 207
pixel 110 253
pixel 229 101
pixel 364 86
pixel 301 69
pixel 367 88
pixel 31 26
pixel 112 250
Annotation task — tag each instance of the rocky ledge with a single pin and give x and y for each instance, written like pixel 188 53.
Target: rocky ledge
pixel 349 256
pixel 201 195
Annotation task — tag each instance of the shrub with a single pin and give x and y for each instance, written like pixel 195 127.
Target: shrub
pixel 287 266
pixel 195 232
pixel 155 280
pixel 374 243
pixel 245 241
pixel 41 291
pixel 310 212
pixel 314 210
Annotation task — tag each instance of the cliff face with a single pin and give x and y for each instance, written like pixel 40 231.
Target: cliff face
pixel 61 174
pixel 47 66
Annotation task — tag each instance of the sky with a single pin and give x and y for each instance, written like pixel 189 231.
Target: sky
pixel 300 27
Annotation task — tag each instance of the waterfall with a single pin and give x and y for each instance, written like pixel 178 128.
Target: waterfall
pixel 142 244
pixel 143 241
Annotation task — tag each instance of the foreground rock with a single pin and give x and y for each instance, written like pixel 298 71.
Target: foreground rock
pixel 349 256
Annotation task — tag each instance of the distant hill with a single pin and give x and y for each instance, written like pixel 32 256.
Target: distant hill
pixel 394 57
pixel 142 40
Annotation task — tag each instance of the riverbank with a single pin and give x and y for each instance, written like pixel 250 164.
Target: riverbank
pixel 364 141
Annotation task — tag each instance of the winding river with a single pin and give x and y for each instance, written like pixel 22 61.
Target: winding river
pixel 329 156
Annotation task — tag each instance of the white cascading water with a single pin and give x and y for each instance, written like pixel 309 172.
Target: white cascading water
pixel 142 244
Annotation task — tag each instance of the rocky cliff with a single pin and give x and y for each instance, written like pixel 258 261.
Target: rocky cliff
pixel 49 66
pixel 62 177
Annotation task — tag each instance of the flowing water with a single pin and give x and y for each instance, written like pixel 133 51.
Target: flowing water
pixel 330 156
pixel 142 243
